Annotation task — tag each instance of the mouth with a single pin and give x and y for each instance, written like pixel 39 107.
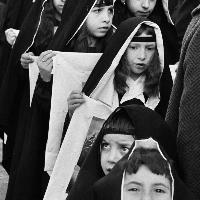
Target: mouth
pixel 61 6
pixel 105 28
pixel 144 14
pixel 140 65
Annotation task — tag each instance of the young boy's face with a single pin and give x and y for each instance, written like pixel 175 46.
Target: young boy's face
pixel 99 21
pixel 146 185
pixel 113 148
pixel 141 8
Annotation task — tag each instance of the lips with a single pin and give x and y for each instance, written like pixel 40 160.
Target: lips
pixel 140 66
pixel 144 14
pixel 105 28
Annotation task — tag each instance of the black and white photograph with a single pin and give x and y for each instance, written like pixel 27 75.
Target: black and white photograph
pixel 99 100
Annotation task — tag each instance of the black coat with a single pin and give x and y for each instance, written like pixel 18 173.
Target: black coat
pixel 29 180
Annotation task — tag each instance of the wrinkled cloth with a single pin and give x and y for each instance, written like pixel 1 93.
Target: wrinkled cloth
pixel 184 108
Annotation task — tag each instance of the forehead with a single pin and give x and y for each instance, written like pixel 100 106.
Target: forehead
pixel 102 3
pixel 144 176
pixel 118 138
pixel 142 43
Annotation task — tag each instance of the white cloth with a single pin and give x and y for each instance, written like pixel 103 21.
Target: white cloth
pixel 70 72
pixel 72 146
pixel 103 100
pixel 33 76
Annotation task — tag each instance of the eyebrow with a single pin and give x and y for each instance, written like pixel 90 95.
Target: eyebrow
pixel 140 184
pixel 134 182
pixel 161 184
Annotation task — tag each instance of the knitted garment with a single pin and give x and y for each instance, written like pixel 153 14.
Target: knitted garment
pixel 183 114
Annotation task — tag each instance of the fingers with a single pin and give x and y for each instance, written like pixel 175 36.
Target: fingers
pixel 74 100
pixel 46 55
pixel 26 59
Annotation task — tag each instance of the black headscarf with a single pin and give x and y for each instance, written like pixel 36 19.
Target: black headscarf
pixel 170 41
pixel 109 187
pixel 146 122
pixel 74 13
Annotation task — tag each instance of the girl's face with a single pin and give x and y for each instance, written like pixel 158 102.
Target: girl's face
pixel 59 4
pixel 141 8
pixel 146 185
pixel 138 56
pixel 99 21
pixel 113 148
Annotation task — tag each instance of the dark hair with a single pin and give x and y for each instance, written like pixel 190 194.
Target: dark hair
pixel 46 28
pixel 80 41
pixel 152 159
pixel 153 72
pixel 118 123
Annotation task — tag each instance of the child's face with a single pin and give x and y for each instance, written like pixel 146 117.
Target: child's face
pixel 59 4
pixel 138 56
pixel 146 185
pixel 113 148
pixel 141 8
pixel 99 21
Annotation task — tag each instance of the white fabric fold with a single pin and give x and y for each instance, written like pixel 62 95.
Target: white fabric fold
pixel 72 146
pixel 70 72
pixel 33 76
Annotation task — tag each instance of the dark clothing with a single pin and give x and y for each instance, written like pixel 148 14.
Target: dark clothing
pixel 183 111
pixel 15 13
pixel 139 115
pixel 182 16
pixel 171 47
pixel 29 180
pixel 110 187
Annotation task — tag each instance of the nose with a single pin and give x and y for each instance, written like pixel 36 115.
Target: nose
pixel 145 4
pixel 142 54
pixel 106 16
pixel 113 156
pixel 146 196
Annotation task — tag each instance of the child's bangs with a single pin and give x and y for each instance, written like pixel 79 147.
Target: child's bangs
pixel 152 159
pixel 119 123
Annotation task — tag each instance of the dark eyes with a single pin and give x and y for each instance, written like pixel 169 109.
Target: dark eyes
pixel 98 10
pixel 124 148
pixel 105 145
pixel 159 190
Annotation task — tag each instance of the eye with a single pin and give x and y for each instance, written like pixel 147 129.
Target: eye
pixel 150 48
pixel 134 189
pixel 96 10
pixel 124 149
pixel 133 47
pixel 105 146
pixel 159 190
pixel 111 10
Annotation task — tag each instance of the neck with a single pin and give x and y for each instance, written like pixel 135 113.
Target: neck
pixel 134 76
pixel 92 41
pixel 58 16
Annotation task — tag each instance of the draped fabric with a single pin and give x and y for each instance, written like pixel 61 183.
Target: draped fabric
pixel 183 110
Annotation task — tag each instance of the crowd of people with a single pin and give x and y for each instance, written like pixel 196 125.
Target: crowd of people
pixel 88 107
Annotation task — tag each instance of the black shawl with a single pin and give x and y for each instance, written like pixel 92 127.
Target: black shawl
pixel 171 46
pixel 109 187
pixel 147 124
pixel 29 174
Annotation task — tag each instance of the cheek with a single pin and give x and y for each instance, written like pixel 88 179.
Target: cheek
pixel 153 4
pixel 103 159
